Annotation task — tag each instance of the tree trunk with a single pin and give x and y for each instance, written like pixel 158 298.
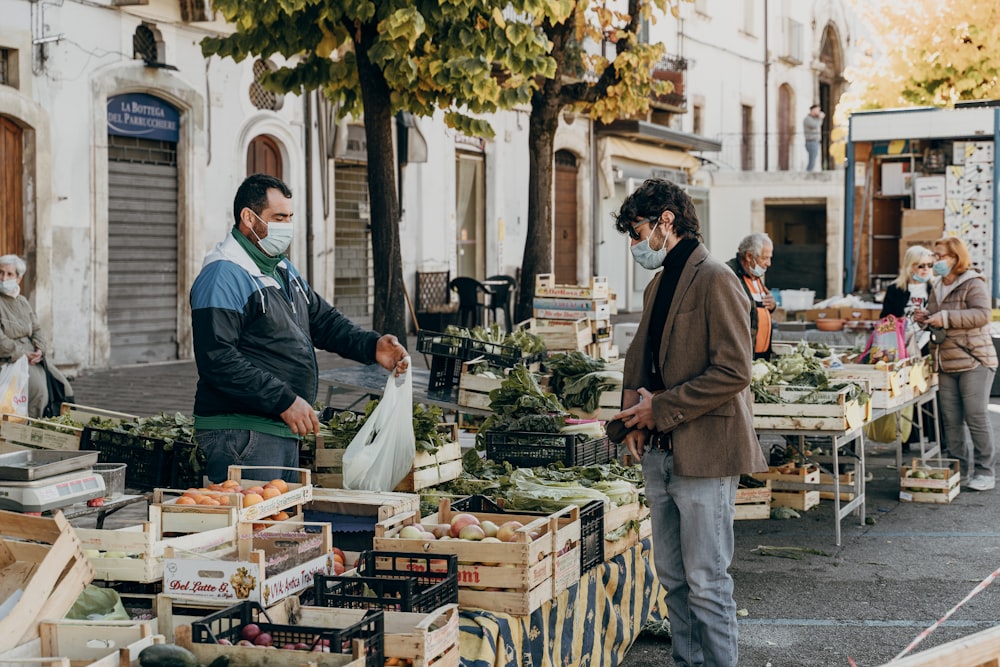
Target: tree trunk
pixel 388 316
pixel 542 126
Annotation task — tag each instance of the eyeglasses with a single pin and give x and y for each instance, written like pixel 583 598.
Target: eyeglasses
pixel 947 254
pixel 924 266
pixel 631 229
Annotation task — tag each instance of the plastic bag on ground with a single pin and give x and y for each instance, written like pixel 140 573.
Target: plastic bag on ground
pixel 381 454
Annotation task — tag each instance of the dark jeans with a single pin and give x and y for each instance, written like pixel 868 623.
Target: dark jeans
pixel 226 447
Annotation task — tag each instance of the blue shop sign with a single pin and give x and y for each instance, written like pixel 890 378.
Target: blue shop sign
pixel 143 116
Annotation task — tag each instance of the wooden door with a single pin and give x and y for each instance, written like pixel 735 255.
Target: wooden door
pixel 564 239
pixel 11 188
pixel 784 127
pixel 264 157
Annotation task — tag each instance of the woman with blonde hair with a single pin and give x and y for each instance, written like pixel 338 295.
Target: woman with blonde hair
pixel 960 305
pixel 911 288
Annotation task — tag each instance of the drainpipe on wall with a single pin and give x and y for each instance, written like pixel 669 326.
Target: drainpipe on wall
pixel 597 236
pixel 307 105
pixel 767 92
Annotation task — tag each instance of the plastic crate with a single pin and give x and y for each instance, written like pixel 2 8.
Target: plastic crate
pixel 445 373
pixel 152 462
pixel 524 449
pixel 392 581
pixel 591 525
pixel 441 344
pixel 228 624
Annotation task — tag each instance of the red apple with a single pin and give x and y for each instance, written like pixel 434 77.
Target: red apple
pixel 245 642
pixel 507 530
pixel 225 642
pixel 414 531
pixel 460 521
pixel 471 532
pixel 263 639
pixel 441 530
pixel 250 631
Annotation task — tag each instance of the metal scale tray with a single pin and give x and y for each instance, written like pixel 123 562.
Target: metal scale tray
pixel 34 464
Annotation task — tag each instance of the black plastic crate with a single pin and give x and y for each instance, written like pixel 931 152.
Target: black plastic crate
pixel 392 582
pixel 524 449
pixel 505 356
pixel 591 524
pixel 229 623
pixel 151 462
pixel 445 373
pixel 441 344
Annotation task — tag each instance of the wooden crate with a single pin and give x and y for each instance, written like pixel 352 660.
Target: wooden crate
pixel 428 469
pixel 240 571
pixel 44 560
pixel 545 285
pixel 564 309
pixel 796 500
pixel 474 390
pixel 753 502
pixel 564 335
pixel 377 504
pixel 840 414
pixel 422 639
pixel 846 479
pixel 605 350
pixel 522 570
pixel 135 553
pixel 37 434
pixel 636 517
pixel 781 495
pixel 245 656
pixel 609 404
pixel 939 491
pixel 96 643
pixel 82 414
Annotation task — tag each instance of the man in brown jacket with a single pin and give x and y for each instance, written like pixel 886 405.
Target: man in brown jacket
pixel 686 395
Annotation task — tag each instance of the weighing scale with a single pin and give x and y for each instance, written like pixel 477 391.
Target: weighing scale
pixel 42 480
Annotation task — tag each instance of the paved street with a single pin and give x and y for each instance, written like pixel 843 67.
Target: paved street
pixel 865 600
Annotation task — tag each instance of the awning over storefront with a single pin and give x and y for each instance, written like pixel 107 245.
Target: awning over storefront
pixel 611 148
pixel 654 133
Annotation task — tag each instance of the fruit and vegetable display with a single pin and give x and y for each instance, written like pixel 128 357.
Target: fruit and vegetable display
pixel 529 344
pixel 578 380
pixel 339 430
pixel 804 369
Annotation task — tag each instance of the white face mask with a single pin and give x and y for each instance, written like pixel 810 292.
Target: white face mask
pixel 757 270
pixel 10 287
pixel 279 236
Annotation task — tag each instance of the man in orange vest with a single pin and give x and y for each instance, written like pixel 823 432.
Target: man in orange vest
pixel 753 259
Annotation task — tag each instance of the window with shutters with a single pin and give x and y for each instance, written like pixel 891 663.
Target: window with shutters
pixel 261 97
pixel 147 44
pixel 8 68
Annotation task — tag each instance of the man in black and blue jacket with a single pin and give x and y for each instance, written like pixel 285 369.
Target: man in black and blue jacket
pixel 256 324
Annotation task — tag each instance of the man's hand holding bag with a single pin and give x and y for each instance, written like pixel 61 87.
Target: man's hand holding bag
pixel 381 455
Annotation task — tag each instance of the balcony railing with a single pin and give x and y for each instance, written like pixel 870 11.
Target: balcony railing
pixel 672 69
pixel 746 152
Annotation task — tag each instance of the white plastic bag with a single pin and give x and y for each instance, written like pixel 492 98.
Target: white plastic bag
pixel 382 452
pixel 14 385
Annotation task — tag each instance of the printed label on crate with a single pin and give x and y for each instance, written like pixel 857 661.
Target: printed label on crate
pixel 601 312
pixel 582 305
pixel 236 581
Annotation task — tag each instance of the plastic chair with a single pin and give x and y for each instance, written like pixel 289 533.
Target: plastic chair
pixel 502 297
pixel 435 309
pixel 471 307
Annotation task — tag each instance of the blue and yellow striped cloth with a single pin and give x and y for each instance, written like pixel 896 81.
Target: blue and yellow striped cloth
pixel 592 624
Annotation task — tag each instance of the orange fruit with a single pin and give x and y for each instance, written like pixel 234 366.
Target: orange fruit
pixel 252 499
pixel 257 527
pixel 186 500
pixel 281 484
pixel 230 484
pixel 207 500
pixel 269 492
pixel 224 500
pixel 279 516
pixel 338 568
pixel 255 489
pixel 215 487
pixel 337 558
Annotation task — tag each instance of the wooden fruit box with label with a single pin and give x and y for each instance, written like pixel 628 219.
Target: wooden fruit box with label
pixel 263 566
pixel 753 502
pixel 26 433
pixel 826 411
pixel 935 481
pixel 887 380
pixel 428 469
pixel 135 553
pixel 545 285
pixel 782 476
pixel 562 335
pixel 624 526
pixel 42 572
pixel 72 643
pixel 422 639
pixel 513 577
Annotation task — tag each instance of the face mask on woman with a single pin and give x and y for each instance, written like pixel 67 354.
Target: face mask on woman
pixel 10 287
pixel 941 267
pixel 917 278
pixel 646 256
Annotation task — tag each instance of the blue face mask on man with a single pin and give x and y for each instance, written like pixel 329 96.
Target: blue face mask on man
pixel 646 256
pixel 279 236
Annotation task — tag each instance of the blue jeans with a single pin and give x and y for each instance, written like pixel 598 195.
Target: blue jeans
pixel 226 447
pixel 812 150
pixel 693 547
pixel 964 399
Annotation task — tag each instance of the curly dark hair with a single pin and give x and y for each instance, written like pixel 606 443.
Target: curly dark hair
pixel 651 199
pixel 252 194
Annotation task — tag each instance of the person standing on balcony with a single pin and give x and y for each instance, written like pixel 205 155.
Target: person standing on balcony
pixel 812 129
pixel 753 259
pixel 686 402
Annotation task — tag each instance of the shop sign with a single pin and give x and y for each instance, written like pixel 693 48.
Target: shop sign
pixel 143 116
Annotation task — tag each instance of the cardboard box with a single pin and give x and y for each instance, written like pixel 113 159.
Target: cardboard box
pixel 814 314
pixel 921 222
pixel 896 178
pixel 928 192
pixel 852 313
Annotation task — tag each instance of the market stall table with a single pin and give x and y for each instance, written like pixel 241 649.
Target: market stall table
pixel 924 403
pixel 593 623
pixel 838 440
pixel 371 380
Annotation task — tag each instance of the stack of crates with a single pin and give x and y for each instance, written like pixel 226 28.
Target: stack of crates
pixel 575 317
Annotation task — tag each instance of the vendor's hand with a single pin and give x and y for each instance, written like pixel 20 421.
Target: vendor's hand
pixel 936 320
pixel 390 355
pixel 34 357
pixel 301 417
pixel 769 302
pixel 639 415
pixel 636 443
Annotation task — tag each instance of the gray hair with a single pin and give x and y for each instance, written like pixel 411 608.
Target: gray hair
pixel 754 244
pixel 16 262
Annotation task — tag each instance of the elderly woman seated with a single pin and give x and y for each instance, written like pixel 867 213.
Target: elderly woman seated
pixel 20 335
